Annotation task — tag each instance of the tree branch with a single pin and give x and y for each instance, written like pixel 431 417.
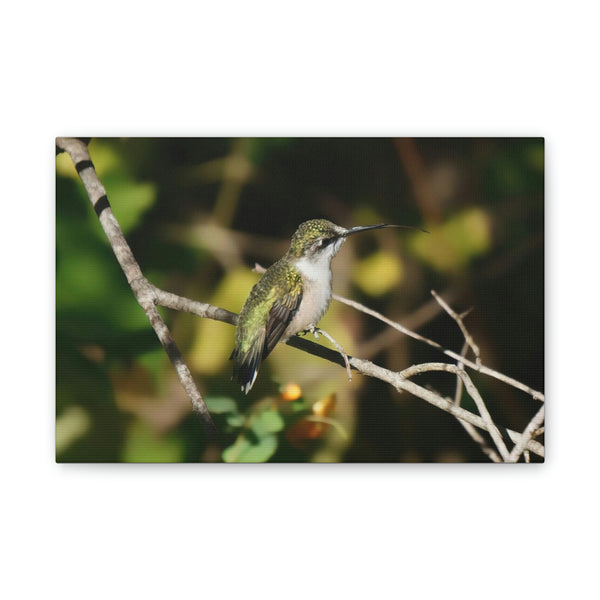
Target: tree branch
pixel 484 422
pixel 143 290
pixel 471 390
pixel 479 368
pixel 530 431
pixel 459 320
pixel 398 380
pixel 475 435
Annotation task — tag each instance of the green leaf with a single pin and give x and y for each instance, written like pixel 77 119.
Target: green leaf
pixel 267 422
pixel 244 451
pixel 221 405
pixel 235 420
pixel 72 424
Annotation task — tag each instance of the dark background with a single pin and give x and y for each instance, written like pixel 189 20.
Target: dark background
pixel 198 213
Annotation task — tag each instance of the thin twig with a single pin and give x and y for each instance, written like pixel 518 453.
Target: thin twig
pixel 462 377
pixel 475 435
pixel 483 411
pixel 471 390
pixel 317 330
pixel 528 433
pixel 459 320
pixel 480 368
pixel 400 382
pixel 483 445
pixel 468 343
pixel 143 290
pixel 459 384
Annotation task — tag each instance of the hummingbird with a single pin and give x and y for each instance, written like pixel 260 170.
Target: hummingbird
pixel 291 296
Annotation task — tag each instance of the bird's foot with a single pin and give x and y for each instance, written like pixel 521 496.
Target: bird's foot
pixel 315 331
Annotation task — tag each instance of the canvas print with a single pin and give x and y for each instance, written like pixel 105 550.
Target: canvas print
pixel 294 300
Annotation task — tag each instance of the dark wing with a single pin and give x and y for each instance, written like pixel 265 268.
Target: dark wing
pixel 280 317
pixel 280 289
pixel 245 367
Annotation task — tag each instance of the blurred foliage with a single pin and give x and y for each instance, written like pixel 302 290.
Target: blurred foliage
pixel 456 242
pixel 378 273
pixel 212 342
pixel 198 213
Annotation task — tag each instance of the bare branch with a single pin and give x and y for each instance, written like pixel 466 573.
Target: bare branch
pixel 480 368
pixel 473 392
pixel 143 290
pixel 400 382
pixel 459 385
pixel 529 432
pixel 483 411
pixel 317 330
pixel 459 320
pixel 207 311
pixel 468 343
pixel 475 435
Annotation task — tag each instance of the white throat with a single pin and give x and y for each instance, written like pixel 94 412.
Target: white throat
pixel 318 266
pixel 315 270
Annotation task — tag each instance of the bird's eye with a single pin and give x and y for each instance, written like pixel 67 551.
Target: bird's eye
pixel 323 243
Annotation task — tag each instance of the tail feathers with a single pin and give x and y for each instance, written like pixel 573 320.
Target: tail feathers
pixel 246 366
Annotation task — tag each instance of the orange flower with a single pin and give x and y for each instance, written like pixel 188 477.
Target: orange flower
pixel 324 407
pixel 304 429
pixel 290 392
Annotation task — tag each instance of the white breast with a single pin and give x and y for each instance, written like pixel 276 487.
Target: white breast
pixel 316 294
pixel 316 270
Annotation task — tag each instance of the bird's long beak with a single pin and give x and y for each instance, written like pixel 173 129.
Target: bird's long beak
pixel 353 230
